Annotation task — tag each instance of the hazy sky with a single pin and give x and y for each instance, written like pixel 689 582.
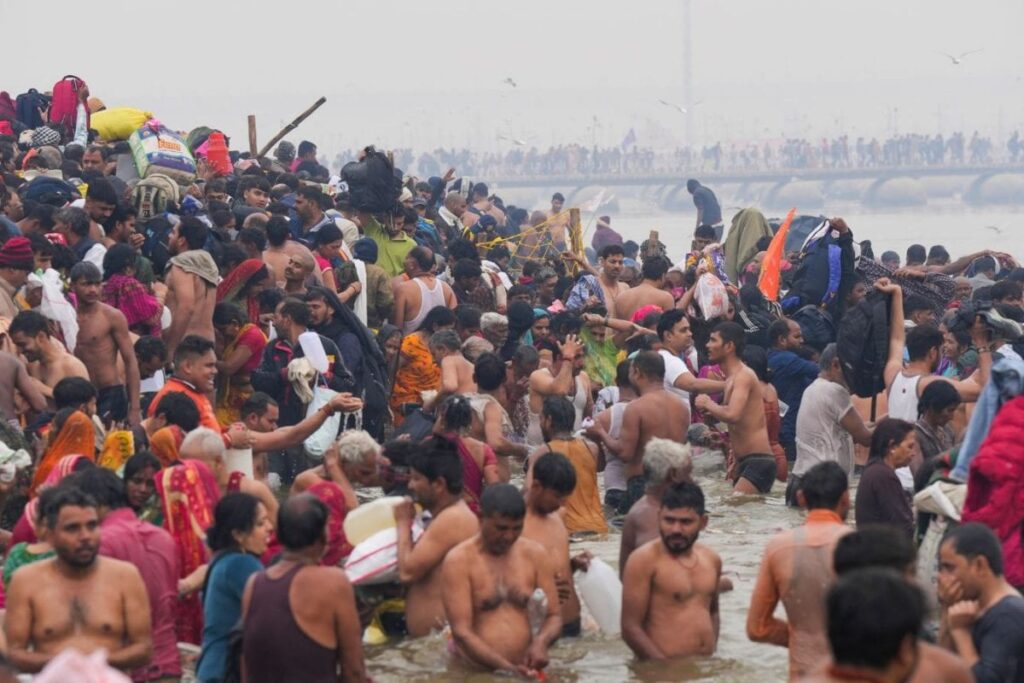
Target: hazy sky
pixel 401 73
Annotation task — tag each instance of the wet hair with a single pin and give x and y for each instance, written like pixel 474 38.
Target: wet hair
pixel 102 485
pixel 489 372
pixel 622 374
pixel 922 339
pixel 756 358
pixel 178 409
pixel 730 332
pixel 874 545
pixel 888 432
pixel 654 268
pixel 438 458
pixel 445 339
pixel 938 396
pixel 302 521
pixel 973 540
pixel 916 254
pixel 439 316
pixel 73 392
pixel 456 413
pixel 824 485
pixel 85 271
pixel 560 411
pixel 30 323
pixel 278 231
pixel 668 320
pixel 1006 289
pixel 256 404
pixel 296 310
pixel 650 364
pixel 227 312
pixel 191 347
pixel 684 495
pixel 871 613
pixel 118 259
pixel 62 497
pixel 234 512
pixel 502 500
pixel 554 472
pixel 140 461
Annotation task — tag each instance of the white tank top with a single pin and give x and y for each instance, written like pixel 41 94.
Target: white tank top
pixel 615 469
pixel 429 298
pixel 903 402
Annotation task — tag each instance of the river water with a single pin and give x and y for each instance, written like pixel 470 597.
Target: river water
pixel 739 526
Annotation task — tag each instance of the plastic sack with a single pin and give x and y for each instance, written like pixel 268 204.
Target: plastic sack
pixel 375 560
pixel 157 149
pixel 119 123
pixel 317 443
pixel 711 296
pixel 72 665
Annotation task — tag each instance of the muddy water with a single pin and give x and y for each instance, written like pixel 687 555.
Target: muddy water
pixel 738 530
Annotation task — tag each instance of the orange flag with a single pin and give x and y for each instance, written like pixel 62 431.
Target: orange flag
pixel 771 266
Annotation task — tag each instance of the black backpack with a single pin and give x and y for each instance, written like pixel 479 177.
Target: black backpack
pixel 373 183
pixel 863 345
pixel 30 106
pixel 817 326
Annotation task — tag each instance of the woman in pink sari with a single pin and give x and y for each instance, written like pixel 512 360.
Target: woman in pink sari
pixel 25 529
pixel 479 463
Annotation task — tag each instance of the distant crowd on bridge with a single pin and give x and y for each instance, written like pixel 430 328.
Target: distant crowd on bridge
pixel 842 152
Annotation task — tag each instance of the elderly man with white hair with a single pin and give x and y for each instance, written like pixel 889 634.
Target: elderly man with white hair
pixel 353 460
pixel 665 463
pixel 207 446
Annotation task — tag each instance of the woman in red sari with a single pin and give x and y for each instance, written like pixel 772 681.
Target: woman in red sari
pixel 479 463
pixel 244 284
pixel 188 493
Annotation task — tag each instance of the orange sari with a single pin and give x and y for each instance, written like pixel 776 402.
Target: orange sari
pixel 188 493
pixel 165 443
pixel 418 373
pixel 76 437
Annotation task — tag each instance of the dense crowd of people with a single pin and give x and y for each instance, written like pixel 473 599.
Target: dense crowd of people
pixel 842 152
pixel 211 378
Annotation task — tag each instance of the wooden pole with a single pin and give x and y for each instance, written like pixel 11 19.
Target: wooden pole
pixel 252 135
pixel 292 126
pixel 576 238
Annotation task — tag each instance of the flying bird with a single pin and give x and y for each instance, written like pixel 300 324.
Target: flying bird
pixel 957 59
pixel 681 110
pixel 994 229
pixel 514 141
pixel 509 81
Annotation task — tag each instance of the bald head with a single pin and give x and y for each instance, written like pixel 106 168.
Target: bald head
pixel 302 522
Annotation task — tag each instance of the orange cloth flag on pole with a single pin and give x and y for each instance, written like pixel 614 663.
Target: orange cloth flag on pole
pixel 771 267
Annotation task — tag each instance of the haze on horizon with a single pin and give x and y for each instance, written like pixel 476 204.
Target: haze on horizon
pixel 403 74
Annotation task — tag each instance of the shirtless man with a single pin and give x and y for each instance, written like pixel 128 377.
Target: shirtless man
pixel 743 411
pixel 488 582
pixel 553 480
pixel 14 375
pixel 656 414
pixel 102 336
pixel 191 284
pixel 611 261
pixel 435 482
pixel 456 371
pixel 557 221
pixel 666 463
pixel 649 291
pixel 77 599
pixel 670 585
pixel 296 274
pixel 421 292
pixel 566 378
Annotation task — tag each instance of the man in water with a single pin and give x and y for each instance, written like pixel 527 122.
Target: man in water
pixel 666 463
pixel 743 411
pixel 709 212
pixel 77 599
pixel 649 291
pixel 656 414
pixel 670 586
pixel 456 372
pixel 488 582
pixel 553 481
pixel 102 335
pixel 985 615
pixel 435 482
pixel 797 570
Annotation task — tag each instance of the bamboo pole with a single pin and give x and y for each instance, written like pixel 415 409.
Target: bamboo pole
pixel 291 126
pixel 252 135
pixel 576 238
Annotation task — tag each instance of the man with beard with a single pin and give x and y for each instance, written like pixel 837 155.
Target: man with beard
pixel 488 582
pixel 77 599
pixel 102 335
pixel 435 482
pixel 48 361
pixel 611 260
pixel 191 284
pixel 670 585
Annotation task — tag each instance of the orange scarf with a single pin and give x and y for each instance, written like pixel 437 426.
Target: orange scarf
pixel 76 437
pixel 420 373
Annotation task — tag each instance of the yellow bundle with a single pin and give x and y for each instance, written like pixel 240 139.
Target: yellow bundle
pixel 118 123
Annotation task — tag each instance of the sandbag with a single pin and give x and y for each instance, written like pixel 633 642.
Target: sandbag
pixel 119 123
pixel 157 149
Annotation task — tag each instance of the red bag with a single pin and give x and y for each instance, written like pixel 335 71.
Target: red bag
pixel 67 94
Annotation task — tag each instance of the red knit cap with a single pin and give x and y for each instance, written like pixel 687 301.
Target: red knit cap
pixel 17 253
